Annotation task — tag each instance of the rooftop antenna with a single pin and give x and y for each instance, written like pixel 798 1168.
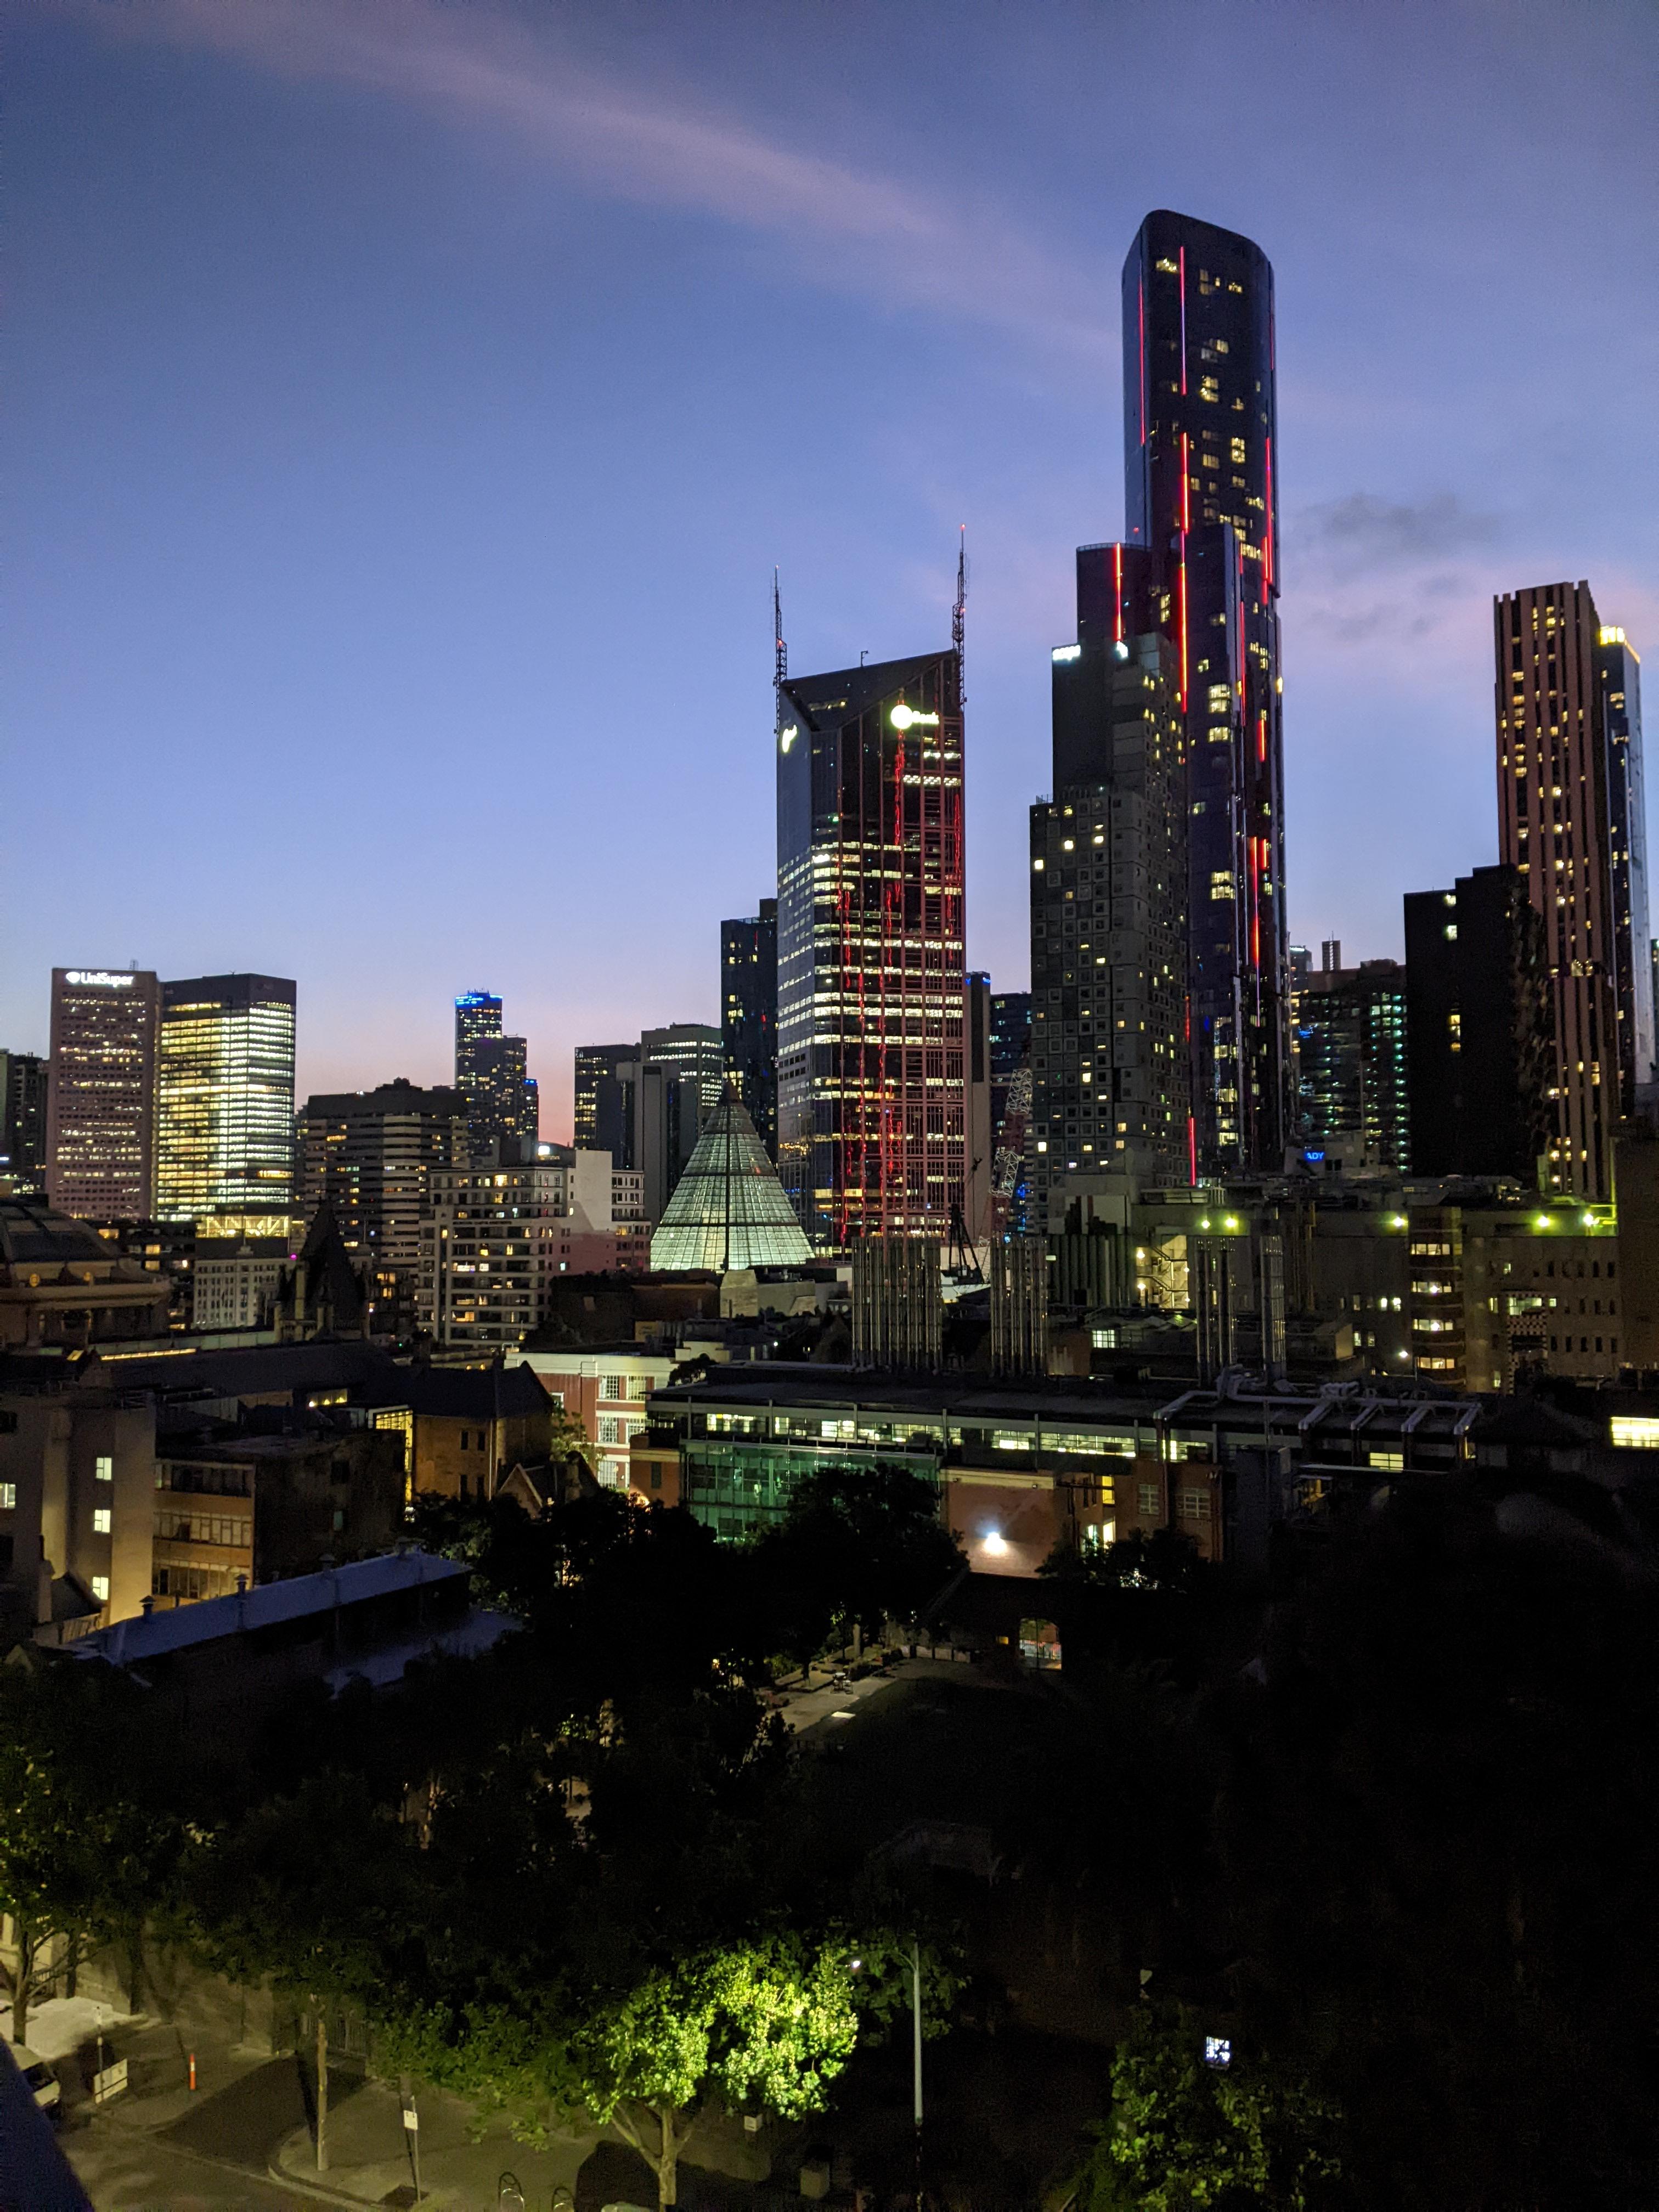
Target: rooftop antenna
pixel 959 613
pixel 781 661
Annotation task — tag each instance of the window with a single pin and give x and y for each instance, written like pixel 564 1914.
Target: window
pixel 1391 1462
pixel 1147 1500
pixel 465 1438
pixel 613 1386
pixel 100 1589
pixel 8 1497
pixel 1194 1504
pixel 103 1468
pixel 101 1520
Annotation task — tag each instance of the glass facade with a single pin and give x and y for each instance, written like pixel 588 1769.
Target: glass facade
pixel 224 1138
pixel 749 1017
pixel 728 1209
pixel 1201 495
pixel 1352 1060
pixel 871 949
pixel 503 1104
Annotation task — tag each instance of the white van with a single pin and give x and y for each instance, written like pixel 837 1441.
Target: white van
pixel 39 2076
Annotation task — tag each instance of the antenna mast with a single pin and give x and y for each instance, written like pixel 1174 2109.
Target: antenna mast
pixel 959 614
pixel 780 650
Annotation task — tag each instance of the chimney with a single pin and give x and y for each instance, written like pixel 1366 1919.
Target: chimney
pixel 147 1606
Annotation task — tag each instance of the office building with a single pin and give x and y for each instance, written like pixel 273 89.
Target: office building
pixel 235 1283
pixel 369 1155
pixel 1109 1068
pixel 978 1221
pixel 729 1209
pixel 1201 498
pixel 871 968
pixel 749 1017
pixel 224 1088
pixel 23 1079
pixel 601 1121
pixel 1351 1061
pixel 503 1107
pixel 1478 1028
pixel 1569 820
pixel 100 1095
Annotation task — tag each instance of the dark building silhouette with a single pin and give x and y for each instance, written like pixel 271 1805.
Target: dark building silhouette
pixel 1352 1058
pixel 600 1118
pixel 1201 493
pixel 1011 1046
pixel 503 1111
pixel 1478 1025
pixel 749 1017
pixel 369 1156
pixel 23 1078
pixel 1570 820
pixel 1109 1066
pixel 871 948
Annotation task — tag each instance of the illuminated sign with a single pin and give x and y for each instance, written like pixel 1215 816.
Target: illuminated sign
pixel 788 735
pixel 102 977
pixel 905 718
pixel 1066 653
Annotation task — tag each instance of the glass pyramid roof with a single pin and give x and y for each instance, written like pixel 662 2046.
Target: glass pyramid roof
pixel 728 1209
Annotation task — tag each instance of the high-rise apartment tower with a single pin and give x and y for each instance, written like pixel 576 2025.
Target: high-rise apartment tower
pixel 1570 820
pixel 871 967
pixel 502 1102
pixel 1202 490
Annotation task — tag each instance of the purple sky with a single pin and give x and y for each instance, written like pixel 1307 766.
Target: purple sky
pixel 408 403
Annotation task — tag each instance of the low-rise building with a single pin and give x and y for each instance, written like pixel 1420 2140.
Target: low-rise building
pixel 464 1428
pixel 77 1482
pixel 605 1388
pixel 62 1286
pixel 234 1285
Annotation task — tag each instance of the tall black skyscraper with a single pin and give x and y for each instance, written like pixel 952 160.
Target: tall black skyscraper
pixel 502 1102
pixel 1200 491
pixel 749 1016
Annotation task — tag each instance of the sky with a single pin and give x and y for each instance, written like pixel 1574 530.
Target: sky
pixel 407 403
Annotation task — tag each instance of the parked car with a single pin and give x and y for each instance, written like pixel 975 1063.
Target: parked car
pixel 42 2081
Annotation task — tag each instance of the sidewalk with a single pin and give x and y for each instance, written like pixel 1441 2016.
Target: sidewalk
pixel 369 2155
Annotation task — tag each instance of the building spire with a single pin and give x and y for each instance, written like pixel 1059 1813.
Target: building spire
pixel 959 614
pixel 781 651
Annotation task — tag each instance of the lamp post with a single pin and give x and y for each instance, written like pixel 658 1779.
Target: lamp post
pixel 915 2000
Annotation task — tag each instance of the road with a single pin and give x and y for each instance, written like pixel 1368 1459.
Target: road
pixel 123 2171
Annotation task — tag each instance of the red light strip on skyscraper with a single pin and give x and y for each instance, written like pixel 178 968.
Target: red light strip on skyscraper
pixel 1256 844
pixel 1261 737
pixel 1181 585
pixel 1192 1150
pixel 1267 537
pixel 1117 594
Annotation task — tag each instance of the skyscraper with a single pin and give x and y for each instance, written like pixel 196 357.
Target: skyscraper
pixel 224 1113
pixel 23 1078
pixel 502 1102
pixel 1570 819
pixel 871 948
pixel 100 1097
pixel 1201 492
pixel 749 1017
pixel 1479 1031
pixel 600 1116
pixel 1109 897
pixel 369 1155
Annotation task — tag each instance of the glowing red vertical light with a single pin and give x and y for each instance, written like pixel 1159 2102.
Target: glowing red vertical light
pixel 1192 1150
pixel 1181 585
pixel 1267 536
pixel 1117 593
pixel 1261 737
pixel 1186 478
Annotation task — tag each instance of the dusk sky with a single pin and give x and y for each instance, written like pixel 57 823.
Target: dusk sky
pixel 407 405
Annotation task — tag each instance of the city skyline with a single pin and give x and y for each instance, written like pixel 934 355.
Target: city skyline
pixel 1425 470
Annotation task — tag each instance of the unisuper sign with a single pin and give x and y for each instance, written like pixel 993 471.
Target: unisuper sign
pixel 102 977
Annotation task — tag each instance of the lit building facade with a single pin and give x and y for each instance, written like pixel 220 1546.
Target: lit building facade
pixel 601 1119
pixel 749 1017
pixel 871 948
pixel 224 1118
pixel 101 1096
pixel 1351 1059
pixel 503 1105
pixel 1201 491
pixel 1570 820
pixel 493 1239
pixel 1110 1069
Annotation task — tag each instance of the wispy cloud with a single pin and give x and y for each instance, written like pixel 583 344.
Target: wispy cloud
pixel 1363 533
pixel 852 228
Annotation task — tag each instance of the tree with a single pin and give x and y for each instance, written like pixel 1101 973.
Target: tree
pixel 858 1546
pixel 764 2024
pixel 1184 2133
pixel 79 1858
